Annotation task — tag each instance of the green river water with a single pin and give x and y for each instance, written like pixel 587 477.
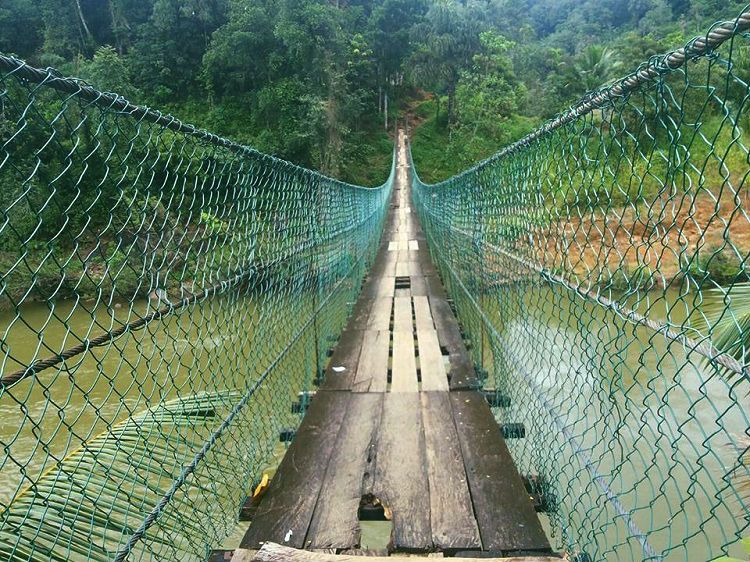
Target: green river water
pixel 644 434
pixel 657 425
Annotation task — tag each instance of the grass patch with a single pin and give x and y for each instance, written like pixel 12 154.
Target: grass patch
pixel 367 158
pixel 441 152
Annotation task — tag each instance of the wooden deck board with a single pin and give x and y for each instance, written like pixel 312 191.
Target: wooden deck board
pixel 419 286
pixel 272 552
pixel 342 366
pixel 402 315
pixel 389 268
pixel 287 508
pixel 451 512
pixel 400 479
pixel 431 362
pixel 380 314
pixel 462 371
pixel 386 286
pixel 422 313
pixel 504 512
pixel 372 369
pixel 335 522
pixel 404 369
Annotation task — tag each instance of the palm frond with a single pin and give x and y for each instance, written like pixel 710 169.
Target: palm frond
pixel 726 318
pixel 88 504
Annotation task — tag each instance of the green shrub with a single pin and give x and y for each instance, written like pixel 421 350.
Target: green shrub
pixel 716 265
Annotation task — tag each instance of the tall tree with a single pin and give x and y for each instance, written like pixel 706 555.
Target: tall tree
pixel 390 26
pixel 448 39
pixel 170 49
pixel 21 28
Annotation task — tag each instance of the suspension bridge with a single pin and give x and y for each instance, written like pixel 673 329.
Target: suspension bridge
pixel 395 432
pixel 209 353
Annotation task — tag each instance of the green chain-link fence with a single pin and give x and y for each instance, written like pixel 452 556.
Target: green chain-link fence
pixel 165 294
pixel 600 268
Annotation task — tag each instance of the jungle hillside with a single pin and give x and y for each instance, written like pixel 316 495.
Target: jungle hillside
pixel 320 82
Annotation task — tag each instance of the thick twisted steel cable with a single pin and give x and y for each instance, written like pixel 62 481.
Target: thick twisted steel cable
pixel 13 66
pixel 703 347
pixel 655 67
pixel 170 308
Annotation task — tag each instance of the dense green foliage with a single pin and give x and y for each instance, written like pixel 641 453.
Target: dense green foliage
pixel 317 81
pixel 307 80
pixel 525 60
pixel 303 80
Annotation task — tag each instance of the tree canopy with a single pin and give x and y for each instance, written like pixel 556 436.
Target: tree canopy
pixel 311 80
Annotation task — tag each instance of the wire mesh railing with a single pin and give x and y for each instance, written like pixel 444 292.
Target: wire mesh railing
pixel 165 295
pixel 600 268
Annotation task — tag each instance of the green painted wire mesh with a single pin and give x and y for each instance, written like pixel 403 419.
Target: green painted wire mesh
pixel 165 294
pixel 600 267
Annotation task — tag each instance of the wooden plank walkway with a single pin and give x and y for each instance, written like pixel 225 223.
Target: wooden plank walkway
pixel 272 552
pixel 402 423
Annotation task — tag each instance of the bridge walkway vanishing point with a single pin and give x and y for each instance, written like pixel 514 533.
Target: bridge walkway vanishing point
pixel 397 420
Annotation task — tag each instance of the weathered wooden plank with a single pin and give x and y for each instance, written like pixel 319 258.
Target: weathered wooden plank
pixel 248 555
pixel 414 268
pixel 503 509
pixel 462 374
pixel 389 267
pixel 272 552
pixel 415 255
pixel 361 310
pixel 419 286
pixel 431 362
pixel 422 314
pixel 372 369
pixel 425 261
pixel 335 521
pixel 285 512
pixel 380 314
pixel 386 286
pixel 451 513
pixel 402 316
pixel 342 366
pixel 382 261
pixel 404 369
pixel 400 478
pixel 369 553
pixel 435 286
pixel 402 269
